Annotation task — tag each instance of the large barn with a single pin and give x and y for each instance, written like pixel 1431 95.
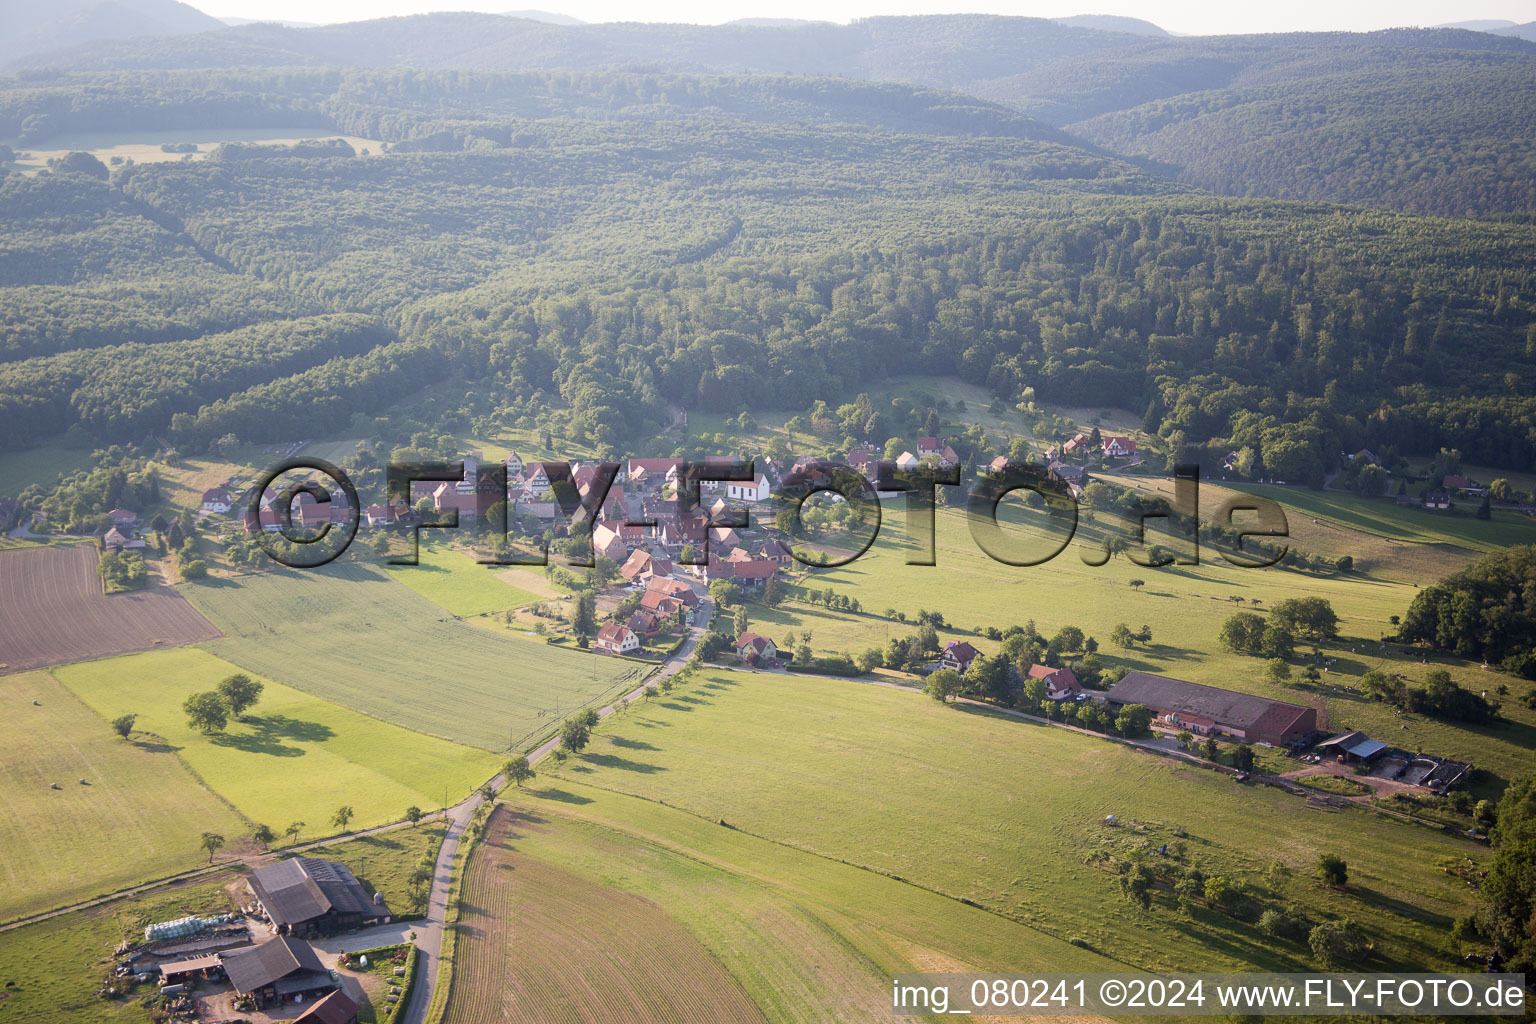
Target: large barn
pixel 1205 710
pixel 283 970
pixel 306 896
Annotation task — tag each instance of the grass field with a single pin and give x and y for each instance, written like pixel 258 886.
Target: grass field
pixel 138 817
pixel 454 581
pixel 296 757
pixel 351 634
pixel 52 611
pixel 1185 607
pixel 41 465
pixel 57 965
pixel 144 147
pixel 972 804
pixel 546 945
pixel 807 938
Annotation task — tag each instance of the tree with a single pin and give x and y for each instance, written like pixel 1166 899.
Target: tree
pixel 293 830
pixel 1276 671
pixel 264 835
pixel 1144 634
pixel 206 712
pixel 1332 869
pixel 1210 748
pixel 584 614
pixel 574 733
pixel 1133 720
pixel 1334 942
pixel 870 659
pixel 1485 815
pixel 1219 892
pixel 1138 584
pixel 240 692
pixel 773 592
pixel 740 620
pixel 1185 738
pixel 1121 636
pixel 1242 758
pixel 518 770
pixel 1137 883
pixel 942 685
pixel 1310 617
pixel 213 843
pixel 343 817
pixel 123 725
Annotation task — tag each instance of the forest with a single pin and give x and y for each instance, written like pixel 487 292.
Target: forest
pixel 702 242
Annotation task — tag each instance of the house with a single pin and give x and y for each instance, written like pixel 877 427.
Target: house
pixel 755 491
pixel 515 465
pixel 753 573
pixel 862 460
pixel 661 605
pixel 927 446
pixel 1437 499
pixel 998 465
pixel 948 457
pixel 958 655
pixel 644 622
pixel 906 462
pixel 122 517
pixel 1209 709
pixel 615 638
pixel 116 540
pixel 1079 442
pixel 755 648
pixel 1119 447
pixel 307 896
pixel 651 474
pixel 1455 482
pixel 336 1008
pixel 607 542
pixel 1367 455
pixel 638 567
pixel 774 551
pixel 1060 683
pixel 724 539
pixel 284 969
pixel 1065 473
pixel 217 499
pixel 380 515
pixel 676 589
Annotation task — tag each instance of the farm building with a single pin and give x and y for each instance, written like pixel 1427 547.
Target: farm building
pixel 1352 747
pixel 307 896
pixel 280 970
pixel 1208 709
pixel 336 1008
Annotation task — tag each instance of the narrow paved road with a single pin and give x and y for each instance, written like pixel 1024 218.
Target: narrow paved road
pixel 429 932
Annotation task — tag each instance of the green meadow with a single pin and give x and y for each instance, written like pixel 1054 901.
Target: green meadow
pixel 808 939
pixel 1010 815
pixel 137 816
pixel 350 633
pixel 294 757
pixel 51 970
pixel 453 580
pixel 1184 606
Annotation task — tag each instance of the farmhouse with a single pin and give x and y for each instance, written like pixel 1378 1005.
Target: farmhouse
pixel 958 655
pixel 336 1008
pixel 616 638
pixel 927 446
pixel 280 970
pixel 217 499
pixel 116 540
pixel 1060 683
pixel 673 588
pixel 306 896
pixel 1208 709
pixel 122 517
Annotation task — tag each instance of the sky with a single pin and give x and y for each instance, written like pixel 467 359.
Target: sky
pixel 1181 16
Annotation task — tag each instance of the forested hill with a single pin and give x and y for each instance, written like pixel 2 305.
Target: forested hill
pixel 1412 119
pixel 709 242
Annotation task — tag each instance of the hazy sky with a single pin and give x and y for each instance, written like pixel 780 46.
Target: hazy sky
pixel 1174 15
